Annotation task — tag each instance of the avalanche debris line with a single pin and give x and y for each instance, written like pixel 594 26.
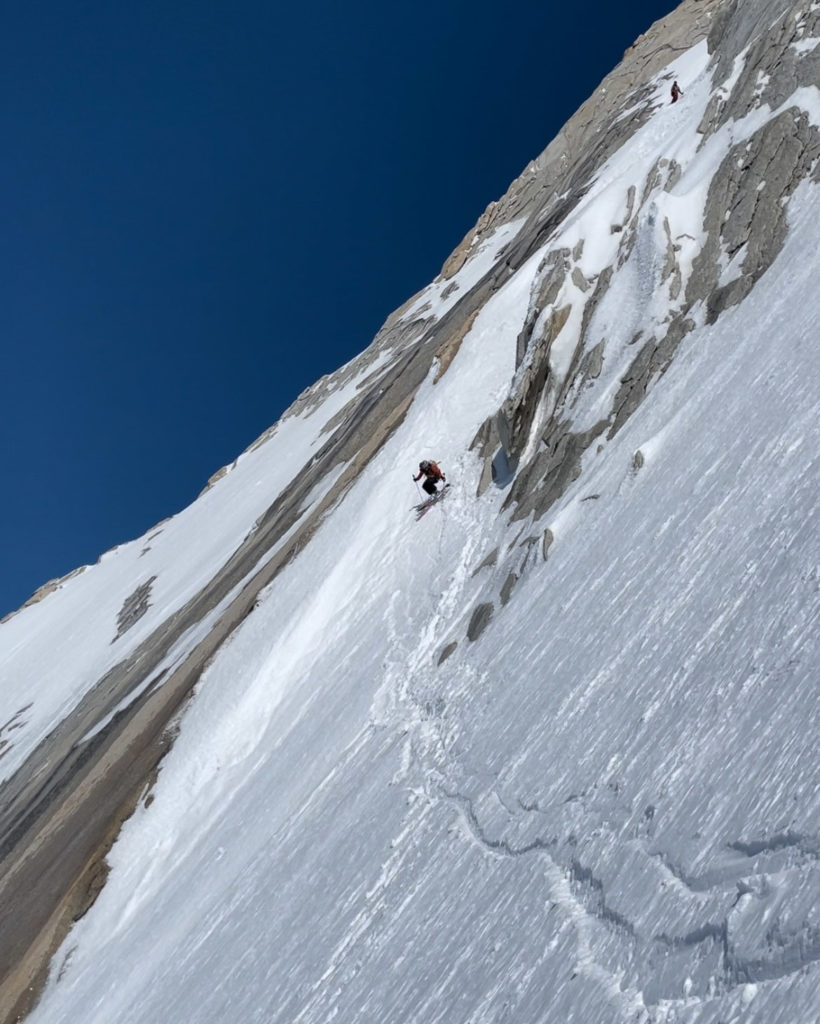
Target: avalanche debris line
pixel 628 1001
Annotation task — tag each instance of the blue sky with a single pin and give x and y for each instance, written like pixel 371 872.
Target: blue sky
pixel 207 206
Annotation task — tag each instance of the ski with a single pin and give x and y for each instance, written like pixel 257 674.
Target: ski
pixel 426 505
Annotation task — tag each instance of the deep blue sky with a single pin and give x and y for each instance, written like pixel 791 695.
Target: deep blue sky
pixel 206 206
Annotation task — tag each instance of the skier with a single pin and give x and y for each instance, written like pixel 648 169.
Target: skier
pixel 676 92
pixel 432 474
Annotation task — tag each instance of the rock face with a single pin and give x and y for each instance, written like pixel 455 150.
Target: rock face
pixel 642 228
pixel 744 221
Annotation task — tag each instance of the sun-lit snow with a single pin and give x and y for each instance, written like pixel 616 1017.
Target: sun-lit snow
pixel 590 813
pixel 442 295
pixel 66 641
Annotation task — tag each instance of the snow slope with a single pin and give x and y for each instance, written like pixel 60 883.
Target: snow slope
pixel 70 638
pixel 605 806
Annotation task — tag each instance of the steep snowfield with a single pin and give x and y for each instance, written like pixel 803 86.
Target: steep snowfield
pixel 70 639
pixel 603 809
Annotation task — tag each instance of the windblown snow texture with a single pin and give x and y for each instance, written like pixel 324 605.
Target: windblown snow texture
pixel 549 753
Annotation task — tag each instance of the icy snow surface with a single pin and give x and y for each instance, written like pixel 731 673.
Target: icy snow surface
pixel 599 811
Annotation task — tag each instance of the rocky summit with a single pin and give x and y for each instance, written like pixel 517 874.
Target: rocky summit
pixel 547 753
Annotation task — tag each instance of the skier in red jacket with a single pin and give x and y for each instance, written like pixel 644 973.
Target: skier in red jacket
pixel 432 474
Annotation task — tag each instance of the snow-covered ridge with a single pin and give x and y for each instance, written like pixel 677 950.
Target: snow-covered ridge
pixel 547 754
pixel 176 559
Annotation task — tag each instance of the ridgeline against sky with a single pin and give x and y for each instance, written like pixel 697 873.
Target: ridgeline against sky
pixel 206 208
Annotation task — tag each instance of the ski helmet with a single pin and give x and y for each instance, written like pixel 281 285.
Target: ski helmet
pixel 424 464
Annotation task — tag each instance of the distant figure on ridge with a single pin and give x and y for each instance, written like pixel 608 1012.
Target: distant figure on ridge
pixel 676 92
pixel 432 474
